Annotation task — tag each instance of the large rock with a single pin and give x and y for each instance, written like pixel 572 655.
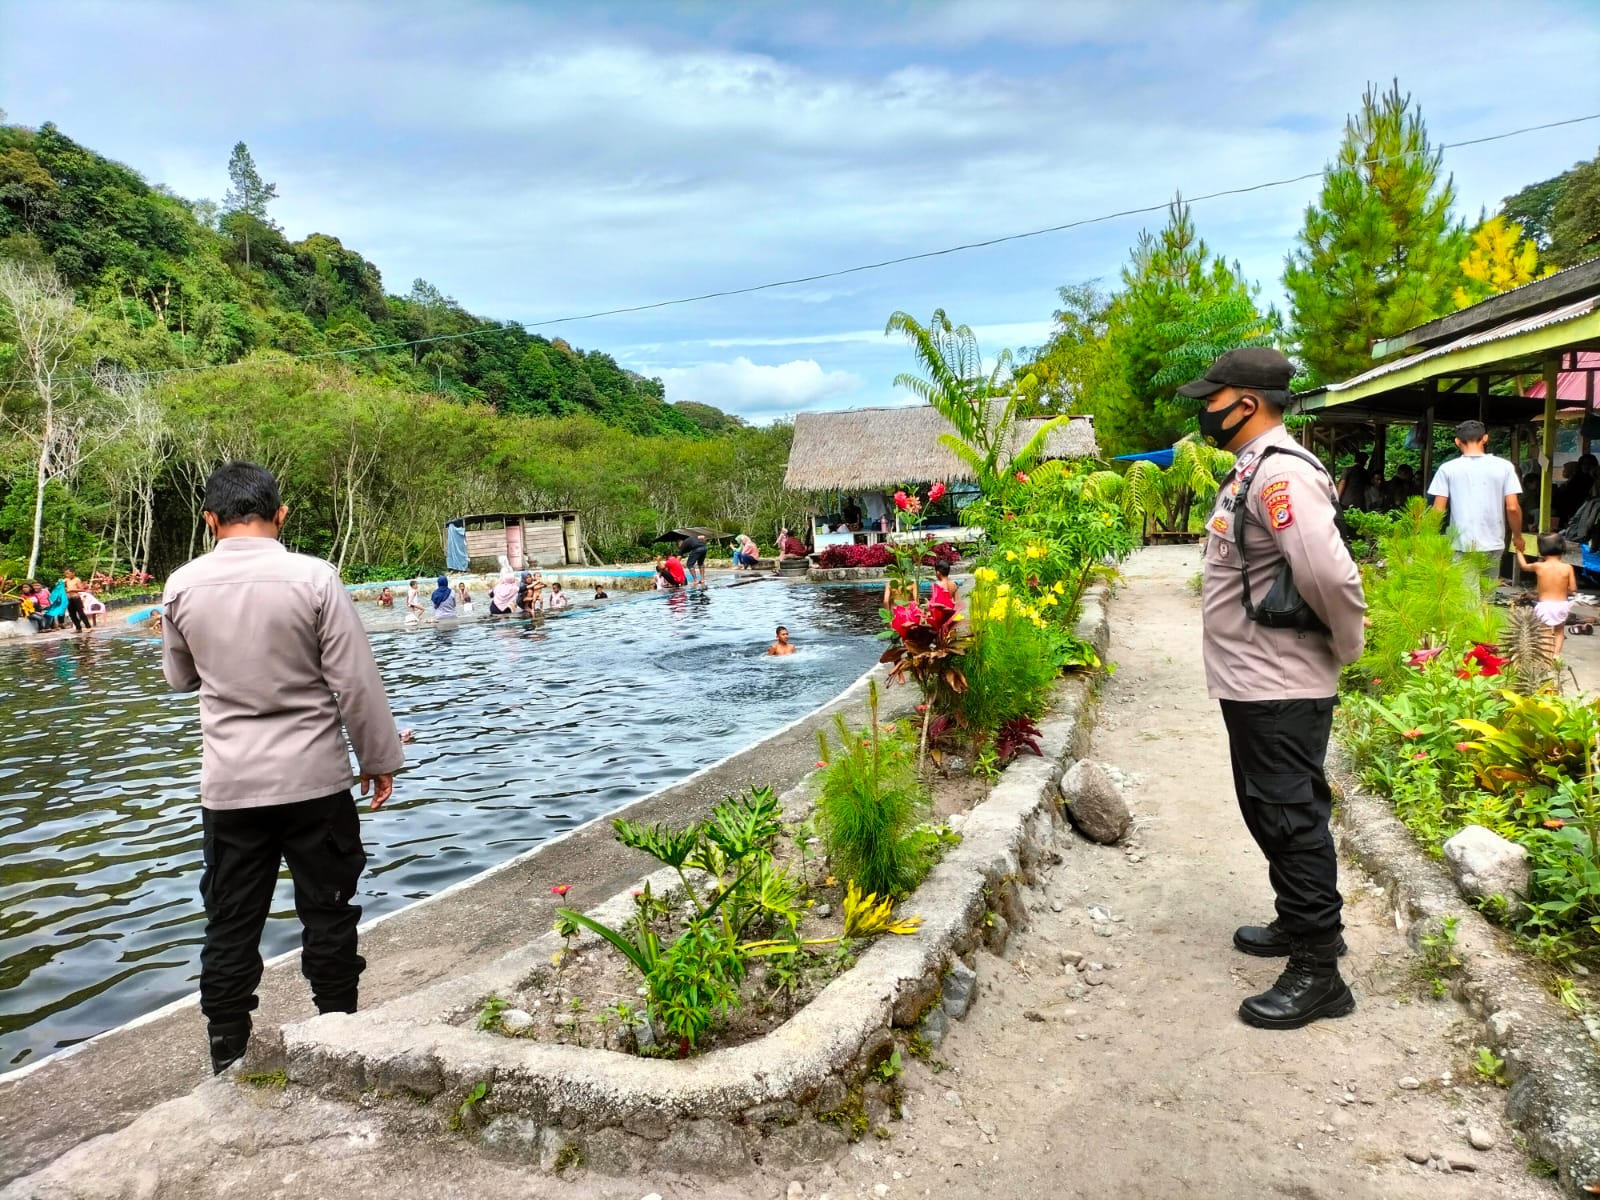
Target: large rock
pixel 1093 802
pixel 1485 864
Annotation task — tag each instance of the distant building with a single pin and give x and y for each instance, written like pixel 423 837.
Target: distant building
pixel 546 539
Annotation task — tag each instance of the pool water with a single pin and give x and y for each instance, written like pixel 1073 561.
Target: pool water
pixel 522 730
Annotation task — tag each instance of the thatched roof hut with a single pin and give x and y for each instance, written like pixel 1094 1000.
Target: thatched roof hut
pixel 870 449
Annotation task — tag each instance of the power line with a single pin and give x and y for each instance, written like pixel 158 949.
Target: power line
pixel 860 268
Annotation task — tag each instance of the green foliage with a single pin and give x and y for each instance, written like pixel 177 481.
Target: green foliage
pixel 469 1104
pixel 1419 595
pixel 1536 741
pixel 693 981
pixel 1439 960
pixel 1490 1067
pixel 278 1079
pixel 871 803
pixel 1561 215
pixel 982 406
pixel 489 1014
pixel 1165 499
pixel 1379 252
pixel 1010 665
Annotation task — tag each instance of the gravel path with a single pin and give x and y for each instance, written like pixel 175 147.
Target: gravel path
pixel 1133 1080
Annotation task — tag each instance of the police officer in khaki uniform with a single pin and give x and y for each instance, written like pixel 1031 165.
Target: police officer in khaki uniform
pixel 1283 611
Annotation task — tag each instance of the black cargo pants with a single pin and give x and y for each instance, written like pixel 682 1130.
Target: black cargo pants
pixel 1278 748
pixel 321 841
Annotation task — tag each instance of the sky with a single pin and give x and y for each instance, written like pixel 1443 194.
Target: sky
pixel 542 160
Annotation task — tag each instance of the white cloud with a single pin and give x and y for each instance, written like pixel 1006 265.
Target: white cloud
pixel 759 392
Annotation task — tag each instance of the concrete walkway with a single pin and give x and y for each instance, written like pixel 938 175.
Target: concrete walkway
pixel 1134 1080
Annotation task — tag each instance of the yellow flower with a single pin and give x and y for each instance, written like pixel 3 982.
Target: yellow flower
pixel 1036 551
pixel 1048 601
pixel 986 574
pixel 997 610
pixel 1059 588
pixel 1011 556
pixel 1003 590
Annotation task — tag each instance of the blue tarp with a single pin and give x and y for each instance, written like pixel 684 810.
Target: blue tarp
pixel 1161 458
pixel 455 547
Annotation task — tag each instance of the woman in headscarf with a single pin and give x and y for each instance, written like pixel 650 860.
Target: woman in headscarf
pixel 503 596
pixel 444 600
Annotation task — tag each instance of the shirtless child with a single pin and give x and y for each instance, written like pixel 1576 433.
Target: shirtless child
pixel 1557 585
pixel 783 645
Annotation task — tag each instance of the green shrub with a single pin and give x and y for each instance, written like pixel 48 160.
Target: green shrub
pixel 1419 595
pixel 1010 665
pixel 871 804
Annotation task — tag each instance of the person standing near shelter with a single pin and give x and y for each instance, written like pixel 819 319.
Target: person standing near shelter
pixel 272 642
pixel 1272 659
pixel 1483 496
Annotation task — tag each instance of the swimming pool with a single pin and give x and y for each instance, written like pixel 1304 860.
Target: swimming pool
pixel 523 730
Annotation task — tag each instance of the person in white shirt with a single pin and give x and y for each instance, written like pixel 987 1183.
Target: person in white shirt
pixel 1483 495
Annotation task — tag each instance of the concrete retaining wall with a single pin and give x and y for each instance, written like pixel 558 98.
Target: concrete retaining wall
pixel 788 1096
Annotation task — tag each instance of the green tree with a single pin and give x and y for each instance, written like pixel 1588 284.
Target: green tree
pixel 1379 252
pixel 1073 365
pixel 1179 307
pixel 245 203
pixel 1575 216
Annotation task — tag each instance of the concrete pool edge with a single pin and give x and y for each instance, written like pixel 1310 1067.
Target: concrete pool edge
pixel 786 1096
pixel 108 1080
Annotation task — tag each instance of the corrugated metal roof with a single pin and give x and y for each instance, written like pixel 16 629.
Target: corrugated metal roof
pixel 1555 316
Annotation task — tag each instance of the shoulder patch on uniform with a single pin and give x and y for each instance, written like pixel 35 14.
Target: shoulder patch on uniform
pixel 1244 460
pixel 1280 512
pixel 1275 488
pixel 1219 523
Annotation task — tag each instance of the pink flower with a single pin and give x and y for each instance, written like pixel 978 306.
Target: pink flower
pixel 820 763
pixel 906 616
pixel 1464 747
pixel 902 501
pixel 935 492
pixel 1420 754
pixel 1412 733
pixel 1022 477
pixel 912 505
pixel 561 889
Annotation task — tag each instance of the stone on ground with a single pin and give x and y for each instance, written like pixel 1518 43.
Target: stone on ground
pixel 1486 864
pixel 1093 802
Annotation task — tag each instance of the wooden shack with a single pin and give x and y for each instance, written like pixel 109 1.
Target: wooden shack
pixel 545 539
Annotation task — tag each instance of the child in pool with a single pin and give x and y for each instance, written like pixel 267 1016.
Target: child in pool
pixel 783 645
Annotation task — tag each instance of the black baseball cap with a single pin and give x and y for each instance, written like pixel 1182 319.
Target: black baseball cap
pixel 1256 367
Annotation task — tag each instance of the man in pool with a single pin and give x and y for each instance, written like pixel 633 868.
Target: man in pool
pixel 783 645
pixel 272 643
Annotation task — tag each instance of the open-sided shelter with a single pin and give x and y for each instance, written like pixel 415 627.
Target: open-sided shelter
pixel 853 461
pixel 548 539
pixel 1485 362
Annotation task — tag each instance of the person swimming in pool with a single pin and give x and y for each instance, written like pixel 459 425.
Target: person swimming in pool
pixel 783 645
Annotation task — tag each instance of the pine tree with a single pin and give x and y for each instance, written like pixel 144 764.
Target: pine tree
pixel 248 196
pixel 1379 252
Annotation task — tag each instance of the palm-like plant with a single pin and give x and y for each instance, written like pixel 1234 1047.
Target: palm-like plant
pixel 983 408
pixel 1149 495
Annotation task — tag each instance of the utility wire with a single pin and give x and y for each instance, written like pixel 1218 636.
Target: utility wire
pixel 879 265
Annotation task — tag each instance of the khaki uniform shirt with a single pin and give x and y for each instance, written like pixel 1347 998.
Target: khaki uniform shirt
pixel 1291 517
pixel 272 642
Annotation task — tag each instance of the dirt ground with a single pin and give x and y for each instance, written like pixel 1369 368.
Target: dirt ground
pixel 1134 1080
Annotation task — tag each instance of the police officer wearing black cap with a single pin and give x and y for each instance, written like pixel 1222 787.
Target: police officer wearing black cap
pixel 1283 611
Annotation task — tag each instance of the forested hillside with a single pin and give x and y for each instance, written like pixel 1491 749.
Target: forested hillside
pixel 170 283
pixel 181 322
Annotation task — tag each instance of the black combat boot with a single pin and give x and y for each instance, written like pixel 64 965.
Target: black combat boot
pixel 341 1002
pixel 1268 941
pixel 229 1039
pixel 1309 989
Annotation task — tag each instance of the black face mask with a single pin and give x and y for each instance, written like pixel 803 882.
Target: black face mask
pixel 1212 427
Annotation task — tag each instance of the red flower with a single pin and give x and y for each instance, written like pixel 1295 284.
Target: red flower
pixel 935 492
pixel 561 889
pixel 912 504
pixel 1481 660
pixel 1420 754
pixel 906 617
pixel 1376 682
pixel 902 501
pixel 1417 657
pixel 1022 477
pixel 1555 823
pixel 1412 733
pixel 820 763
pixel 1464 747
